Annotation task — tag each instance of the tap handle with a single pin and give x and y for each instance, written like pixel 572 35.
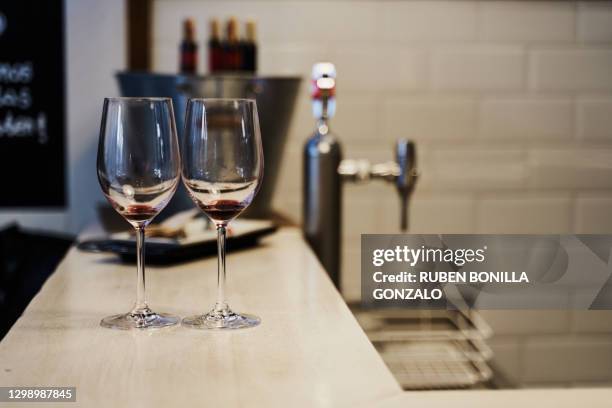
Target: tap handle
pixel 323 90
pixel 405 154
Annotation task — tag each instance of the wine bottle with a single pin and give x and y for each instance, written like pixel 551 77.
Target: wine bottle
pixel 215 51
pixel 231 51
pixel 249 48
pixel 189 49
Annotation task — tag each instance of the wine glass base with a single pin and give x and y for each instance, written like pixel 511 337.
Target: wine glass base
pixel 221 319
pixel 139 320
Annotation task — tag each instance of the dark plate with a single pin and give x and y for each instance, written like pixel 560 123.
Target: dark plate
pixel 158 253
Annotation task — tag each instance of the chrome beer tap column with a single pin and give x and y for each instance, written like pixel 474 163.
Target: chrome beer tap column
pixel 325 171
pixel 322 190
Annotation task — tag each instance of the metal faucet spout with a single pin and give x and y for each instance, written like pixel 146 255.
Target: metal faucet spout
pixel 402 172
pixel 405 154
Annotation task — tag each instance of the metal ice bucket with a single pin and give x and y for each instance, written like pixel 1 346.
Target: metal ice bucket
pixel 275 102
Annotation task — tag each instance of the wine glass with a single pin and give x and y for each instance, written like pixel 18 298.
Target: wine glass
pixel 139 171
pixel 222 170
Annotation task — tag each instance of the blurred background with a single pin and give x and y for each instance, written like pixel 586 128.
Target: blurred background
pixel 508 102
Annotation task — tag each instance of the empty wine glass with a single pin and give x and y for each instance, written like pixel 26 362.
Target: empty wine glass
pixel 222 169
pixel 139 170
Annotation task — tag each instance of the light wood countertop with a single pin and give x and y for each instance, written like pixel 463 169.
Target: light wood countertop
pixel 308 352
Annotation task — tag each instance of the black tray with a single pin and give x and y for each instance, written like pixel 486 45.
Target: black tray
pixel 166 253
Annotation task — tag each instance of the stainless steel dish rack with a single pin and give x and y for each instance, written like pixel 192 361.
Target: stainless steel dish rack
pixel 431 349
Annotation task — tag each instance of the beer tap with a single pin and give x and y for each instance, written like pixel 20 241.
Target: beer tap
pixel 402 172
pixel 325 172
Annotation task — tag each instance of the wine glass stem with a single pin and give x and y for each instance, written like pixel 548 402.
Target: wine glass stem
pixel 221 304
pixel 141 300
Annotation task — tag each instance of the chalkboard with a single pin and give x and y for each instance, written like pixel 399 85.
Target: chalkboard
pixel 32 104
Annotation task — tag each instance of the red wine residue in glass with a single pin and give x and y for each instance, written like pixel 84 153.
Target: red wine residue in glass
pixel 138 212
pixel 223 210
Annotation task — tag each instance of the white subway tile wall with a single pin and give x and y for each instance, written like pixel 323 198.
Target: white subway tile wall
pixel 510 103
pixel 594 22
pixel 527 119
pixel 570 69
pixel 546 358
pixel 478 68
pixel 594 121
pixel 533 22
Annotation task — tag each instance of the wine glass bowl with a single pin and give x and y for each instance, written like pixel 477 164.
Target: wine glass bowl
pixel 140 204
pixel 223 165
pixel 139 171
pixel 222 170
